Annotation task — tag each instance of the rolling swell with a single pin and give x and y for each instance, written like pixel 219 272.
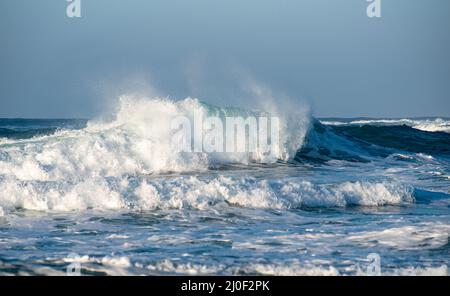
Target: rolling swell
pixel 20 128
pixel 363 143
pixel 27 133
pixel 400 137
pixel 322 143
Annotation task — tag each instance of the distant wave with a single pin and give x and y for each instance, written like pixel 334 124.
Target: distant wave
pixel 418 136
pixel 429 125
pixel 363 143
pixel 26 133
pixel 401 137
pixel 20 128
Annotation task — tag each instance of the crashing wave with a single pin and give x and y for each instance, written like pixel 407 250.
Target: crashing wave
pixel 107 166
pixel 196 192
pixel 137 141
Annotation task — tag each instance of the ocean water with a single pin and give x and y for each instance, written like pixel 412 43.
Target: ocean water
pixel 111 197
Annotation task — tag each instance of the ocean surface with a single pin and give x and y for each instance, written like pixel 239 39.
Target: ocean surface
pixel 111 198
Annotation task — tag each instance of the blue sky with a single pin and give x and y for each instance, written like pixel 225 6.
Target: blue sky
pixel 326 53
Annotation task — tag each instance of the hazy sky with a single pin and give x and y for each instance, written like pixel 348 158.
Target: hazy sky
pixel 327 53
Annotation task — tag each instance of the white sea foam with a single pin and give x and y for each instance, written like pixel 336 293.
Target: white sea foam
pixel 420 271
pixel 292 270
pixel 422 236
pixel 167 266
pixel 196 192
pixel 122 265
pixel 123 261
pixel 111 265
pixel 438 125
pixel 117 236
pixel 318 270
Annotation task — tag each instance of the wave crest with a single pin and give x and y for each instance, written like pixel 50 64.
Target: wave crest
pixel 196 192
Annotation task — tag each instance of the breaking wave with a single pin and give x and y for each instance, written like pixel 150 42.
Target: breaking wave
pixel 120 164
pixel 193 192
